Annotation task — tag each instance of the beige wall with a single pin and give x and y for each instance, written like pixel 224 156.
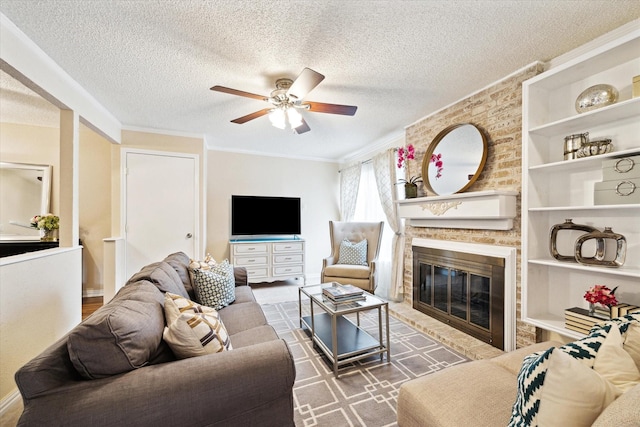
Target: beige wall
pixel 33 144
pixel 316 183
pixel 497 111
pixel 94 204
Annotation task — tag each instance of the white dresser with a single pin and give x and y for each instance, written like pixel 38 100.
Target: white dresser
pixel 269 260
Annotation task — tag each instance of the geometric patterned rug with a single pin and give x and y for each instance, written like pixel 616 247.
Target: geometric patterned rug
pixel 366 392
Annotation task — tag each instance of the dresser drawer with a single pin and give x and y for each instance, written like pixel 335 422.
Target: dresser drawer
pixel 621 168
pixel 245 261
pixel 618 192
pixel 288 247
pixel 287 259
pixel 257 272
pixel 288 270
pixel 258 248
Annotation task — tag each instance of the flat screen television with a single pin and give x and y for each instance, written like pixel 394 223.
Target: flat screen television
pixel 265 216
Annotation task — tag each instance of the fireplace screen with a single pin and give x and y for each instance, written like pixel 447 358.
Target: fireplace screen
pixel 464 290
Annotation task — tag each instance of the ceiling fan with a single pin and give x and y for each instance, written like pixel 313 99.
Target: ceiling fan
pixel 286 99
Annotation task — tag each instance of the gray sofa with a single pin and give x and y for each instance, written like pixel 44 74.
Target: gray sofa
pixel 136 380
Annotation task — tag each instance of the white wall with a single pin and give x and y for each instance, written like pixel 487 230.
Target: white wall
pixel 40 301
pixel 315 182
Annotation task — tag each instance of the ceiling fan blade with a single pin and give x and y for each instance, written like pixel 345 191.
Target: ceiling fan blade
pixel 305 83
pixel 245 119
pixel 319 107
pixel 304 127
pixel 239 93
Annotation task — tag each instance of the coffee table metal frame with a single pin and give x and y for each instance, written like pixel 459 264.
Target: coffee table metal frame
pixel 339 338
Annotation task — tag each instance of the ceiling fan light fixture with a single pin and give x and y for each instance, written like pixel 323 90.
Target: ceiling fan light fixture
pixel 295 119
pixel 278 118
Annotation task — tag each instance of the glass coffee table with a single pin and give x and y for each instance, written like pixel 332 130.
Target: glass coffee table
pixel 339 338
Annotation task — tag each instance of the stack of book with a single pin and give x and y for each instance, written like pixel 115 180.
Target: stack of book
pixel 337 293
pixel 624 309
pixel 578 319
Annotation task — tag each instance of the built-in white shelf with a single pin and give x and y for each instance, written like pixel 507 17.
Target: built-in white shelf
pixel 554 189
pixel 480 210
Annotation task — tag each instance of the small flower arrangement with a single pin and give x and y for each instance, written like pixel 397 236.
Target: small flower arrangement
pixel 437 160
pixel 404 155
pixel 46 222
pixel 601 294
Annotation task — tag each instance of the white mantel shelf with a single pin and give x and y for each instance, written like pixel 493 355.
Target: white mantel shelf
pixel 479 210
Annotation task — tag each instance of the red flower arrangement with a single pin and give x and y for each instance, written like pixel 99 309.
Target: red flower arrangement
pixel 601 294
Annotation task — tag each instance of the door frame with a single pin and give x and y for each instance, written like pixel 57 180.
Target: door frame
pixel 197 200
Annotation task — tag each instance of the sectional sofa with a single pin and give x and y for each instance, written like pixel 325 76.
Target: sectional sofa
pixel 594 381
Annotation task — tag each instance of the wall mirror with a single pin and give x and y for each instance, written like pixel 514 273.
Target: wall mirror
pixel 25 191
pixel 454 159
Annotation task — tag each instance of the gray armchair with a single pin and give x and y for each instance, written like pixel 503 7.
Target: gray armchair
pixel 362 276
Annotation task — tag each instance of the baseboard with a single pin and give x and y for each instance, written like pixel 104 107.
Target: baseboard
pixel 91 293
pixel 8 402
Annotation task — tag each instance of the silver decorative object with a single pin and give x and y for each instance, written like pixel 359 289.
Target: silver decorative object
pixel 568 225
pixel 572 144
pixel 596 96
pixel 594 148
pixel 600 236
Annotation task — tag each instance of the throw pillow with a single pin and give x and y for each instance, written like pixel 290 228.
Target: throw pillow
pixel 196 331
pixel 120 336
pixel 531 377
pixel 353 253
pixel 616 365
pixel 573 394
pixel 216 287
pixel 632 343
pixel 205 264
pixel 534 369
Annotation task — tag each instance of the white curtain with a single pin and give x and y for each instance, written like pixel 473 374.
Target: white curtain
pixel 349 183
pixel 369 208
pixel 384 166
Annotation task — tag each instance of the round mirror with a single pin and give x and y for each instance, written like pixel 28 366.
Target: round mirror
pixel 454 159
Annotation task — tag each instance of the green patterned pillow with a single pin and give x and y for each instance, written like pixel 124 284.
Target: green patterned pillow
pixel 353 253
pixel 534 369
pixel 216 287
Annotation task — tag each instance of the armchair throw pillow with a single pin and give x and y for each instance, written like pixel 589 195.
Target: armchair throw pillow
pixel 353 253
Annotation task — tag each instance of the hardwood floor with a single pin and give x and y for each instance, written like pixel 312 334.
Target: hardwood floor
pixel 89 305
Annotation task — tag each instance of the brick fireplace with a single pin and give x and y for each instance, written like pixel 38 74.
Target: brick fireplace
pixel 470 287
pixel 497 111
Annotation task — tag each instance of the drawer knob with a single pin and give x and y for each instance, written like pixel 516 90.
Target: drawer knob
pixel 624 165
pixel 626 190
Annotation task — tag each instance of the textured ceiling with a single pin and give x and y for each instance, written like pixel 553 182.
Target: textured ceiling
pixel 151 63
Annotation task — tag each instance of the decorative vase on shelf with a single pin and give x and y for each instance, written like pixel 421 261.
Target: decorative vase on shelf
pixel 599 311
pixel 569 226
pixel 601 236
pixel 410 190
pixel 48 235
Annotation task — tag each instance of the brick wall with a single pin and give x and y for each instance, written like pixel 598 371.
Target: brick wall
pixel 497 112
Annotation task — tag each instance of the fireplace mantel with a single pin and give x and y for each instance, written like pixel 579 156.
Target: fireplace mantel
pixel 479 210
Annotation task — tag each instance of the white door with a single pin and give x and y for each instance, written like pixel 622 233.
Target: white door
pixel 161 207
